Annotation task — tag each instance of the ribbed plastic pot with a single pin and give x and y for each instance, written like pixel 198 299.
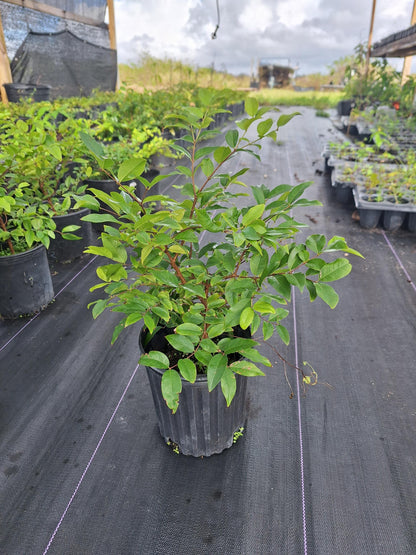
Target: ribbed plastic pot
pixel 203 425
pixel 66 250
pixel 369 218
pixel 18 91
pixel 411 221
pixel 26 283
pixel 393 220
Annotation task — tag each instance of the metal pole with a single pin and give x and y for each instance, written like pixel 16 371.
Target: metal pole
pixel 370 38
pixel 407 62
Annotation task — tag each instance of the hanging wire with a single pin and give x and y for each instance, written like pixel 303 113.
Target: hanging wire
pixel 214 34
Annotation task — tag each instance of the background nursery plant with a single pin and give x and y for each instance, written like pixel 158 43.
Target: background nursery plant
pixel 213 269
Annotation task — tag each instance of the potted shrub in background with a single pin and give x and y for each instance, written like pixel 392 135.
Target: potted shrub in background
pixel 25 233
pixel 210 274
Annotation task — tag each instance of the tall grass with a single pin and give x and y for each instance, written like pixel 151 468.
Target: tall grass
pixel 151 73
pixel 286 97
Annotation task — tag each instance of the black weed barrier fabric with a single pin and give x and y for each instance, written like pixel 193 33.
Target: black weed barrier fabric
pixel 70 65
pixel 83 469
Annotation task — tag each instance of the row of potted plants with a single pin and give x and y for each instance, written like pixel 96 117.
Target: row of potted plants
pixel 45 167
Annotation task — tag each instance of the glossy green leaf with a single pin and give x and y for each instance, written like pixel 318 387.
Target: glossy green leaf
pixel 187 369
pixel 246 317
pixel 188 329
pixel 171 388
pixel 253 213
pixel 180 343
pixel 228 385
pixel 335 270
pixel 251 106
pixel 155 359
pixel 215 370
pixel 131 169
pixel 285 118
pixel 327 294
pixel 284 334
pixel 246 368
pixel 231 138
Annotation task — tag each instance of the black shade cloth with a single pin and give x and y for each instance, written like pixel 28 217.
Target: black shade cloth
pixel 71 66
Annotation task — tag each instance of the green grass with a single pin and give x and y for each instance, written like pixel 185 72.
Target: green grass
pixel 287 97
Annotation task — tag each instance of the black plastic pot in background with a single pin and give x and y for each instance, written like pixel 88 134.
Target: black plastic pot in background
pixel 26 283
pixel 344 107
pixel 203 425
pixel 393 220
pixel 19 91
pixel 66 250
pixel 369 218
pixel 411 221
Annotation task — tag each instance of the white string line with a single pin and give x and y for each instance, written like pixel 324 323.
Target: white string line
pixel 38 313
pixel 406 273
pixel 90 462
pixel 295 334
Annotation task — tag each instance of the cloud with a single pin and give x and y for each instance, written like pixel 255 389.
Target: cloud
pixel 309 33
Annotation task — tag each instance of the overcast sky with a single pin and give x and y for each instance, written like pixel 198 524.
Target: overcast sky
pixel 309 33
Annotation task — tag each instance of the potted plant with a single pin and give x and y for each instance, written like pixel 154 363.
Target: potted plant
pixel 209 274
pixel 25 232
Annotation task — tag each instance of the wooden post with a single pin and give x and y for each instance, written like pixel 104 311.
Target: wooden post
pixel 407 62
pixel 111 24
pixel 5 71
pixel 112 33
pixel 370 38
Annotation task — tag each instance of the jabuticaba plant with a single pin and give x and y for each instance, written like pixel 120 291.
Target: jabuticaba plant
pixel 164 272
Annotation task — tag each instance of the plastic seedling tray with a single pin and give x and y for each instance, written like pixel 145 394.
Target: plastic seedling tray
pixel 373 206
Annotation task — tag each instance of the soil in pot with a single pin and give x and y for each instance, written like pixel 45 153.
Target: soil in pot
pixel 203 425
pixel 26 283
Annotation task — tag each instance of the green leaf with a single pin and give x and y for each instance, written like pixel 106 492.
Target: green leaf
pixel 284 334
pixel 251 106
pixel 92 145
pixel 221 153
pixel 264 126
pixel 55 151
pixel 316 243
pixel 130 169
pixel 264 307
pixel 155 359
pixel 285 118
pixel 246 317
pixel 268 330
pixel 231 138
pixel 254 213
pixel 171 388
pixel 149 322
pixel 111 272
pixel 327 294
pixel 207 166
pixel 246 368
pixel 255 356
pixel 235 344
pixel 228 385
pixel 99 307
pixel 187 369
pixel 181 343
pixel 215 370
pixel 188 329
pixel 335 270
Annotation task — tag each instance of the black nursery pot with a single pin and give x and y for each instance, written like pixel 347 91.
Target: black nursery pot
pixel 203 425
pixel 26 283
pixel 19 91
pixel 66 250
